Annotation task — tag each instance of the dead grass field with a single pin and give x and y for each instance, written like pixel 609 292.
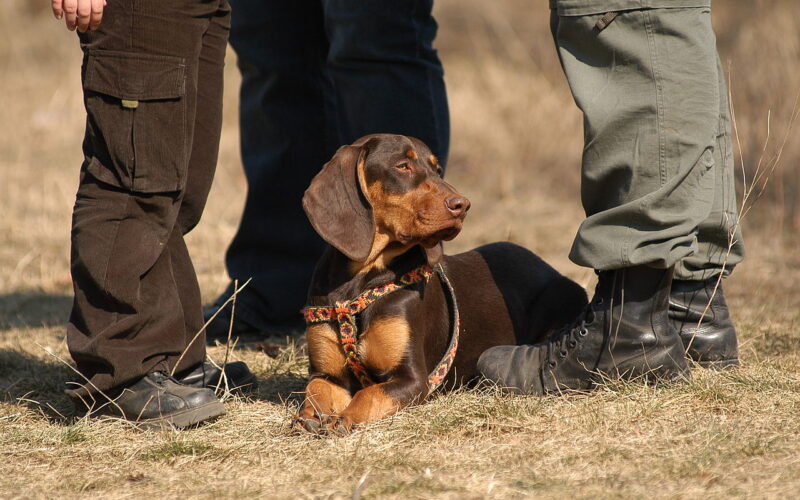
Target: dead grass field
pixel 724 434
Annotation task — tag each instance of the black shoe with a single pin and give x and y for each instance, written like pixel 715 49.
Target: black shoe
pixel 246 331
pixel 238 376
pixel 708 335
pixel 159 401
pixel 623 333
pixel 217 329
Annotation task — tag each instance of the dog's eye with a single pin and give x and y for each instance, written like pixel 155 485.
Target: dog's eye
pixel 439 171
pixel 403 166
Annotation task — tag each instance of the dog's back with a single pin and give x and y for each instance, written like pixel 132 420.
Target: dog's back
pixel 506 295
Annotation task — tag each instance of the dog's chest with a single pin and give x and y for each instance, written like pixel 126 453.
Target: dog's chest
pixel 381 346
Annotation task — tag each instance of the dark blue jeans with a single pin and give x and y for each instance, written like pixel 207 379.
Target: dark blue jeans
pixel 318 74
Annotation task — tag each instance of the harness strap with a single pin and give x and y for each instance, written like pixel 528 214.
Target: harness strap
pixel 441 370
pixel 344 313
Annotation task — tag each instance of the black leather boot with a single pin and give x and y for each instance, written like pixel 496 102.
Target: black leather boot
pixel 623 333
pixel 238 376
pixel 159 401
pixel 708 334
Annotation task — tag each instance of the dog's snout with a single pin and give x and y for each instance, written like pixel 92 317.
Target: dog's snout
pixel 457 205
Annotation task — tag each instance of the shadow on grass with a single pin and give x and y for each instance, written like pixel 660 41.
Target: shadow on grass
pixel 33 310
pixel 283 378
pixel 36 384
pixel 39 383
pixel 775 344
pixel 281 388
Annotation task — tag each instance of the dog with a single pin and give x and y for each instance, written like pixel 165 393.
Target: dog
pixel 385 306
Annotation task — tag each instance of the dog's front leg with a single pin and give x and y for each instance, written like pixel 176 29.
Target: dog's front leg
pixel 323 398
pixel 376 402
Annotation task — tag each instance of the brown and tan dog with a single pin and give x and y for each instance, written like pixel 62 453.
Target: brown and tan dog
pixel 383 207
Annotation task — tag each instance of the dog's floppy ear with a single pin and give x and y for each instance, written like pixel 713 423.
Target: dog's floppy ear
pixel 336 207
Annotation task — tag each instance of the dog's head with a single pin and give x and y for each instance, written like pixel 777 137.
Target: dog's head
pixel 384 192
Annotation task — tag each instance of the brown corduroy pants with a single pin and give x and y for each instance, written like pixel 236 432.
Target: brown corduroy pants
pixel 152 78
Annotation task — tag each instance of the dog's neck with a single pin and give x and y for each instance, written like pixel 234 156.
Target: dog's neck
pixel 337 278
pixel 384 251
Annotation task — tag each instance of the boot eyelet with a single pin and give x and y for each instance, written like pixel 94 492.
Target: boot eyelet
pixel 562 354
pixel 572 344
pixel 551 364
pixel 583 332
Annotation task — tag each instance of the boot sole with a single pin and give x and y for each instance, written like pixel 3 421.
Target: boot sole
pixel 721 364
pixel 669 367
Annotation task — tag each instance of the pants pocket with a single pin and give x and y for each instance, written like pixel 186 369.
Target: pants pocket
pixel 137 136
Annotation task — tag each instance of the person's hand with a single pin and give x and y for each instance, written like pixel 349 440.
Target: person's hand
pixel 81 14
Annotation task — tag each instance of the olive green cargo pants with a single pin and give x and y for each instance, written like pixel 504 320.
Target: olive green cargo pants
pixel 657 178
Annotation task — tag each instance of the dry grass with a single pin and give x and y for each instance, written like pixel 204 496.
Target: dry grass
pixel 724 434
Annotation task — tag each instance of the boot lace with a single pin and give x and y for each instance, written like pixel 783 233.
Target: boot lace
pixel 161 377
pixel 568 337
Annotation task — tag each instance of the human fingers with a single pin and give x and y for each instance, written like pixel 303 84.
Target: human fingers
pixel 70 13
pixel 97 13
pixel 58 10
pixel 84 14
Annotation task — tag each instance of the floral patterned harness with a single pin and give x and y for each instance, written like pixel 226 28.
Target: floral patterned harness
pixel 344 313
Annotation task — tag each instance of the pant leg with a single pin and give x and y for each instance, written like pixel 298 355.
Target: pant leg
pixel 131 272
pixel 287 124
pixel 207 118
pixel 202 165
pixel 719 238
pixel 387 79
pixel 386 73
pixel 648 86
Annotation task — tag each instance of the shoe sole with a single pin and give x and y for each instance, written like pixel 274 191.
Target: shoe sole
pixel 179 420
pixel 245 386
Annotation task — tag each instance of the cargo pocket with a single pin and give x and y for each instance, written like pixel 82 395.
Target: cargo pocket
pixel 136 125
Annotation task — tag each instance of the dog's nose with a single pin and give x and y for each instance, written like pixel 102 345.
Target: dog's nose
pixel 457 205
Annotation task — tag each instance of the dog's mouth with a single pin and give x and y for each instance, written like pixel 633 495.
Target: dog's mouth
pixel 430 231
pixel 442 234
pixel 431 239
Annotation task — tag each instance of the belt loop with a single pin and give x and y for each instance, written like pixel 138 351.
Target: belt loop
pixel 604 21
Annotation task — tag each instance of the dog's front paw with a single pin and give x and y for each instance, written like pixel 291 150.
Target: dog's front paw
pixel 307 424
pixel 338 425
